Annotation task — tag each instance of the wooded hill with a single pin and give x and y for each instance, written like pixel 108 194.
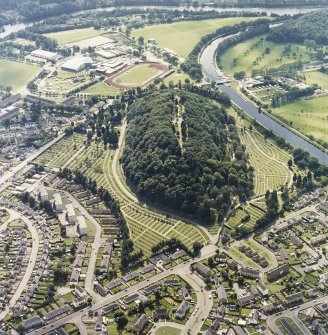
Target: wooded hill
pixel 202 174
pixel 312 26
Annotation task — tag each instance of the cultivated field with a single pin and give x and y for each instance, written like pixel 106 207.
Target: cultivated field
pixel 310 116
pixel 16 74
pixel 138 75
pixel 102 89
pixel 181 37
pixel 252 54
pixel 316 77
pixel 269 163
pixel 74 35
pixel 146 226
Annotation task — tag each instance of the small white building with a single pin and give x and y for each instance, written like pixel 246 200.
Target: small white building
pixel 43 194
pixel 58 203
pixel 82 226
pixel 71 218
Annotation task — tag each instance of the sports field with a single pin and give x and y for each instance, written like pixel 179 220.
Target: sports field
pixel 252 54
pixel 137 75
pixel 16 74
pixel 181 37
pixel 102 89
pixel 308 116
pixel 316 77
pixel 74 35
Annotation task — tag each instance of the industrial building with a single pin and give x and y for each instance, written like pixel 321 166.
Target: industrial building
pixel 77 64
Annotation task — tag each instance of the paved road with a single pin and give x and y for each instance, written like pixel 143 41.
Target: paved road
pixel 30 266
pixel 127 191
pixel 95 246
pixel 271 321
pixel 9 174
pixel 203 306
pixel 207 251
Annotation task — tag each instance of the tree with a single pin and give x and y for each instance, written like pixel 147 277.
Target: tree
pixel 197 246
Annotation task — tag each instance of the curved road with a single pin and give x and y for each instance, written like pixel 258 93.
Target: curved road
pixel 30 266
pixel 212 73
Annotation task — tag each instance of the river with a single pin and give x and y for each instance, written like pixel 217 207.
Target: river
pixel 8 29
pixel 213 73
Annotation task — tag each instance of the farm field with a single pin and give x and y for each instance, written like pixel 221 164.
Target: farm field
pixel 181 37
pixel 309 116
pixel 316 77
pixel 269 162
pixel 102 89
pixel 16 74
pixel 146 226
pixel 74 35
pixel 59 154
pixel 251 55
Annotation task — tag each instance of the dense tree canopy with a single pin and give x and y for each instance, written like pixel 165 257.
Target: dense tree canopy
pixel 311 27
pixel 196 177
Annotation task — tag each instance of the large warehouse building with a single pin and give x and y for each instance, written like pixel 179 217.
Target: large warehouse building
pixel 78 64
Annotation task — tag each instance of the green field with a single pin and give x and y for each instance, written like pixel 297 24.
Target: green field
pixel 102 89
pixel 175 77
pixel 317 77
pixel 251 55
pixel 16 74
pixel 308 116
pixel 137 75
pixel 74 35
pixel 181 37
pixel 167 331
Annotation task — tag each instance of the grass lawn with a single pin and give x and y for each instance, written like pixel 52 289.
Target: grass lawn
pixel 251 55
pixel 16 74
pixel 168 331
pixel 317 77
pixel 137 75
pixel 175 77
pixel 74 35
pixel 308 116
pixel 102 89
pixel 181 37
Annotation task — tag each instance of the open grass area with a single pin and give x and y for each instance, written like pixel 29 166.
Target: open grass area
pixel 252 54
pixel 74 35
pixel 269 163
pixel 181 37
pixel 288 326
pixel 310 116
pixel 175 77
pixel 316 77
pixel 168 331
pixel 16 74
pixel 137 75
pixel 102 89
